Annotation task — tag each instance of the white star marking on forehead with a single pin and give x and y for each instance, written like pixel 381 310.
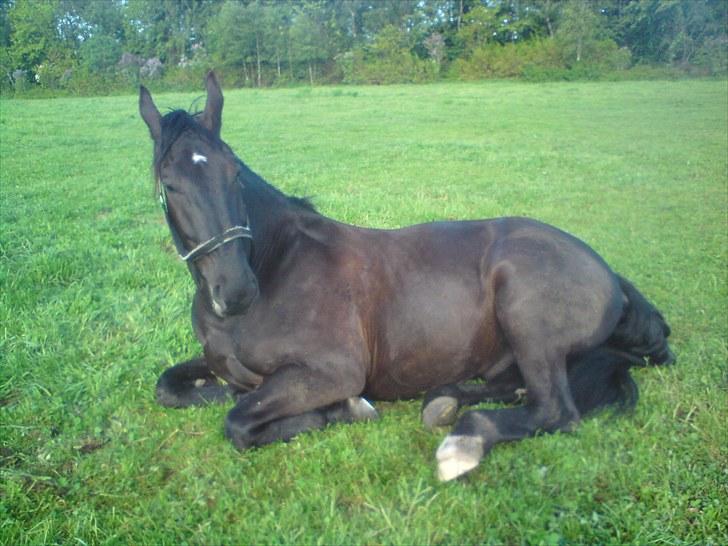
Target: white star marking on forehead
pixel 198 158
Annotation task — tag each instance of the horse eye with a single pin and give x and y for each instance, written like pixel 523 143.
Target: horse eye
pixel 198 158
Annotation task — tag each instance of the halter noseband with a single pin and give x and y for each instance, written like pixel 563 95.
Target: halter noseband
pixel 230 234
pixel 206 247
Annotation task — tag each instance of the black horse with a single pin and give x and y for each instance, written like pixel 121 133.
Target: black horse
pixel 302 316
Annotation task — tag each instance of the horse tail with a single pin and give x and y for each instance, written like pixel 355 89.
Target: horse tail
pixel 600 377
pixel 642 331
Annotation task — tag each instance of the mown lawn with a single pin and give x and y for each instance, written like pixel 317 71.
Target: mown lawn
pixel 94 305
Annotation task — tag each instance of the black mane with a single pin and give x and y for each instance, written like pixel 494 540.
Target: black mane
pixel 302 202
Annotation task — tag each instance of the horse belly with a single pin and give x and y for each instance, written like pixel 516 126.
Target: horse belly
pixel 437 331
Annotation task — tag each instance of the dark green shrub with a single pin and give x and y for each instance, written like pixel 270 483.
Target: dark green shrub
pixel 100 53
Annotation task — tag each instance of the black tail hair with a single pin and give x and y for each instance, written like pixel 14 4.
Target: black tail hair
pixel 642 331
pixel 600 377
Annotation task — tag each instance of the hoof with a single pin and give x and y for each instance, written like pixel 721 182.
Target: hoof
pixel 361 410
pixel 458 455
pixel 440 412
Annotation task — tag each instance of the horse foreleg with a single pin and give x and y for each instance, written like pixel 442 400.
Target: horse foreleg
pixel 346 411
pixel 190 383
pixel 292 400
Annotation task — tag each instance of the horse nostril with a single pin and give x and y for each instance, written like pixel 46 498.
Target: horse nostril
pixel 218 303
pixel 230 298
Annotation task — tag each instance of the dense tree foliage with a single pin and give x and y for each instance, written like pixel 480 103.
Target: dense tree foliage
pixel 88 45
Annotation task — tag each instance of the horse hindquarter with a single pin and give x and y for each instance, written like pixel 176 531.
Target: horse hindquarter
pixel 554 297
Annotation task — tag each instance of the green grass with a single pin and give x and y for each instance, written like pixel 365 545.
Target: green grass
pixel 94 305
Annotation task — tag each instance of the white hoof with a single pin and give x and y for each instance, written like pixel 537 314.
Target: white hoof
pixel 361 409
pixel 440 412
pixel 458 455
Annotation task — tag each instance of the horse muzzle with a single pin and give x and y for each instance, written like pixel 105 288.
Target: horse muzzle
pixel 228 299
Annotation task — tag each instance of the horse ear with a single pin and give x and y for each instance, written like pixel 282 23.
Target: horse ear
pixel 212 116
pixel 149 113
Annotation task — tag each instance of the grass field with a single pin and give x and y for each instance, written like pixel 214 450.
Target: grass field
pixel 94 305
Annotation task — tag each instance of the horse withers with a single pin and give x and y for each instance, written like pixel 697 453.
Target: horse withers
pixel 302 318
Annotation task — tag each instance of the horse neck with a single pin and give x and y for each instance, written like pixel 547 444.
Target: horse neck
pixel 272 218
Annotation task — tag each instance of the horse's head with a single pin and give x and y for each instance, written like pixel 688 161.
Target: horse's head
pixel 202 195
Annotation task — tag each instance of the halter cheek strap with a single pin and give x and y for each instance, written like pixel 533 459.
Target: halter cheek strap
pixel 206 247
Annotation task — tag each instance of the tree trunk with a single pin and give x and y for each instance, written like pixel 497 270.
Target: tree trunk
pixel 257 56
pixel 578 48
pixel 352 11
pixel 310 73
pixel 549 23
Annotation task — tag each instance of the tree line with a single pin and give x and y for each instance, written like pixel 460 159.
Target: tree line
pixel 89 46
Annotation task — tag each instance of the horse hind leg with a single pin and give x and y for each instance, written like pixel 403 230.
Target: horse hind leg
pixel 550 298
pixel 440 406
pixel 549 408
pixel 190 383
